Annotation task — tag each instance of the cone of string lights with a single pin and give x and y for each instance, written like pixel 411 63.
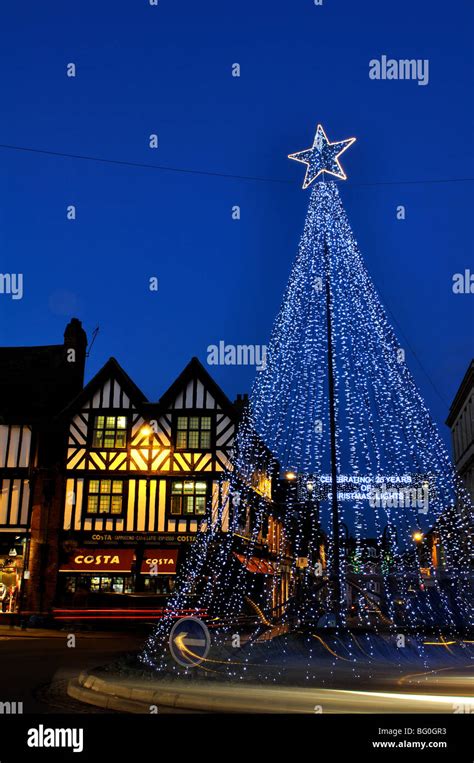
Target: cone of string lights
pixel 374 507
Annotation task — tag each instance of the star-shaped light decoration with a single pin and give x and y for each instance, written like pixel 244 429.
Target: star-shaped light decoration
pixel 323 156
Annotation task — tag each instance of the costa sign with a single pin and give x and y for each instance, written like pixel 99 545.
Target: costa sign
pixel 99 560
pixel 159 561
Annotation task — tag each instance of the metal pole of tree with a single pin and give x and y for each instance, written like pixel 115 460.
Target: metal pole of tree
pixel 336 547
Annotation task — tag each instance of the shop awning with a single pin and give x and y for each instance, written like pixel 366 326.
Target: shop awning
pixel 159 561
pixel 99 560
pixel 255 564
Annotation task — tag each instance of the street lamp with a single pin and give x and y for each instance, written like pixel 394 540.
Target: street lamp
pixel 418 537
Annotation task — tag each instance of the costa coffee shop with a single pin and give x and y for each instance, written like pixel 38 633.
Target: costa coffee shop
pixel 139 477
pixel 90 574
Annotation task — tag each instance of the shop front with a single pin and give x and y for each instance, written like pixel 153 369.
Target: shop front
pixel 12 564
pixel 158 571
pixel 88 573
pixel 116 578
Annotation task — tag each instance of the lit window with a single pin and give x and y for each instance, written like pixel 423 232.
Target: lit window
pixel 193 432
pixel 110 432
pixel 105 497
pixel 188 497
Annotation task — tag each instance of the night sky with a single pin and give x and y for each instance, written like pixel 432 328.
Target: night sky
pixel 168 70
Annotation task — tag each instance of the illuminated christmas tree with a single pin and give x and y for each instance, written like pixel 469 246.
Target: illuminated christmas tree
pixel 377 520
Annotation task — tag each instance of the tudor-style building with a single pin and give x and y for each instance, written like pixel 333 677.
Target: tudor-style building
pixel 35 384
pixel 138 478
pixel 102 491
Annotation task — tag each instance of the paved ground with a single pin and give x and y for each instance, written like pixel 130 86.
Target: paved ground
pixel 36 665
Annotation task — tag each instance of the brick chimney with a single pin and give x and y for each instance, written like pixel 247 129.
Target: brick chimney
pixel 241 402
pixel 75 345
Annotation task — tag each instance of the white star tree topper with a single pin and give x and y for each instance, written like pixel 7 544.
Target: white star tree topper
pixel 323 156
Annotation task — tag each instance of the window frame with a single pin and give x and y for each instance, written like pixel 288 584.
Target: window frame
pixel 95 413
pixel 109 514
pixel 184 514
pixel 199 414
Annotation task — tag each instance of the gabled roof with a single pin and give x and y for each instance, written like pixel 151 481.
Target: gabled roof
pixel 112 368
pixel 195 370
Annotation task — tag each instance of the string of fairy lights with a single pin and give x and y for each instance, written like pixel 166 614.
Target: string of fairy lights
pixel 383 433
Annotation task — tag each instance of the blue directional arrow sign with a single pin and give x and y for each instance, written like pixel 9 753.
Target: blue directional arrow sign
pixel 189 641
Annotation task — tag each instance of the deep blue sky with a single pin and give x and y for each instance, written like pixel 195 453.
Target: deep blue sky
pixel 142 70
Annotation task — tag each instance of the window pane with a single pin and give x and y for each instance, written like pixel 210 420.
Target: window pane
pixel 92 503
pixel 104 504
pixel 94 486
pixel 182 440
pixel 177 487
pixel 121 422
pixel 205 440
pixel 117 585
pixel 194 422
pixel 189 504
pixel 182 422
pixel 206 422
pixel 201 487
pixel 99 422
pixel 97 440
pixel 193 439
pixel 105 486
pixel 109 440
pixel 120 439
pixel 176 504
pixel 200 505
pixel 116 504
pixel 110 422
pixel 188 488
pixel 117 486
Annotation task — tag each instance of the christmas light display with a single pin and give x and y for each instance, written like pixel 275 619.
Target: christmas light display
pixel 377 525
pixel 323 156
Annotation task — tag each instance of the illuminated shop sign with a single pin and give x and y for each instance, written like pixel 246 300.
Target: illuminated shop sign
pixel 99 560
pixel 159 561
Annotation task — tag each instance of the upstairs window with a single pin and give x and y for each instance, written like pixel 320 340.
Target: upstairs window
pixel 193 432
pixel 105 497
pixel 110 432
pixel 188 497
